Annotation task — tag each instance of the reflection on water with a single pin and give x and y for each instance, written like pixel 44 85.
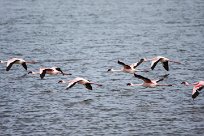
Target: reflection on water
pixel 86 38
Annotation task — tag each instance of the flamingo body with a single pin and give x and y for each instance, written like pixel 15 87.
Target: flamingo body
pixel 129 68
pixel 165 62
pixel 12 61
pixel 50 71
pixel 149 83
pixel 81 81
pixel 197 87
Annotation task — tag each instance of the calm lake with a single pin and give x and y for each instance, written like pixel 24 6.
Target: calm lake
pixel 86 38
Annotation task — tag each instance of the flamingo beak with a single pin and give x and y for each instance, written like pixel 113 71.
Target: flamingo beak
pixel 30 72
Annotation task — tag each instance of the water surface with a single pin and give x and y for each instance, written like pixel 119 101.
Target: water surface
pixel 85 38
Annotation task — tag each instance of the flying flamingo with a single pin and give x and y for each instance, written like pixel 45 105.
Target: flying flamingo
pixel 148 82
pixel 129 68
pixel 10 62
pixel 163 60
pixel 79 80
pixel 198 86
pixel 50 71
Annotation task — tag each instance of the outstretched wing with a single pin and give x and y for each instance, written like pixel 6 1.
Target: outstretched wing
pixel 138 63
pixel 88 86
pixel 147 80
pixel 161 79
pixel 166 65
pixel 70 85
pixel 196 90
pixel 59 69
pixel 195 93
pixel 24 65
pixel 10 64
pixel 42 75
pixel 123 64
pixel 154 63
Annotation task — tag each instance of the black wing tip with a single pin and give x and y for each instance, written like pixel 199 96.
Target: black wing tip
pixel 167 69
pixel 88 86
pixel 142 59
pixel 42 76
pixel 24 66
pixel 9 67
pixel 152 68
pixel 195 94
pixel 138 76
pixel 119 62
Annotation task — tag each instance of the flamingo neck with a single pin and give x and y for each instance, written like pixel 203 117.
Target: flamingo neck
pixel 3 61
pixel 164 85
pixel 186 83
pixel 136 85
pixel 116 70
pixel 64 82
pixel 33 73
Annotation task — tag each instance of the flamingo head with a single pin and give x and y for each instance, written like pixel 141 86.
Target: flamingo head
pixel 185 83
pixel 61 81
pixel 30 72
pixel 129 84
pixel 144 59
pixel 59 69
pixel 109 70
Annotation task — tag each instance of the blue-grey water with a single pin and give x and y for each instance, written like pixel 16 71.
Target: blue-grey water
pixel 85 38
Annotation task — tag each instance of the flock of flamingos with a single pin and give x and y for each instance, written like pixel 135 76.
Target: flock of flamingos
pixel 132 69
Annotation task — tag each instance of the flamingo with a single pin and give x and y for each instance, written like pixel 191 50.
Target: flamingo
pixel 165 62
pixel 50 71
pixel 79 80
pixel 10 62
pixel 149 83
pixel 129 68
pixel 198 86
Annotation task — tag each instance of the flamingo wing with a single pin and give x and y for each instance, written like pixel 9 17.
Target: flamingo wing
pixel 161 79
pixel 24 65
pixel 195 93
pixel 166 65
pixel 70 85
pixel 42 74
pixel 196 90
pixel 88 86
pixel 59 69
pixel 154 63
pixel 10 64
pixel 147 80
pixel 138 63
pixel 123 64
